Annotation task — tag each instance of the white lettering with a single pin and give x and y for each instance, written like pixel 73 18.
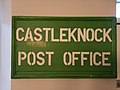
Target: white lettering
pixel 83 58
pixel 38 35
pixel 62 34
pixel 104 58
pixel 65 58
pixel 95 56
pixel 88 34
pixel 96 35
pixel 106 35
pixel 74 58
pixel 31 54
pixel 53 37
pixel 46 33
pixel 18 34
pixel 21 56
pixel 28 35
pixel 71 34
pixel 49 57
pixel 40 58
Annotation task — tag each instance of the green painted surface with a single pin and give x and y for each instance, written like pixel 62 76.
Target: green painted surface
pixel 64 47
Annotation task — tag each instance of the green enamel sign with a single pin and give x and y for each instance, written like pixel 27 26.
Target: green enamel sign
pixel 63 47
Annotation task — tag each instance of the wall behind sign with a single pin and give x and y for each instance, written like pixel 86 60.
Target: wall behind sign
pixel 5 44
pixel 118 52
pixel 63 7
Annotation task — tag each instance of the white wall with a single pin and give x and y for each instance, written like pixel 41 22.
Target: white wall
pixel 5 38
pixel 118 52
pixel 64 7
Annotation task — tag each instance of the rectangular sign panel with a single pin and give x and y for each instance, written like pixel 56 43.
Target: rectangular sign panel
pixel 63 47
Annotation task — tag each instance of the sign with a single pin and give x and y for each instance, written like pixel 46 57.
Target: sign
pixel 63 47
